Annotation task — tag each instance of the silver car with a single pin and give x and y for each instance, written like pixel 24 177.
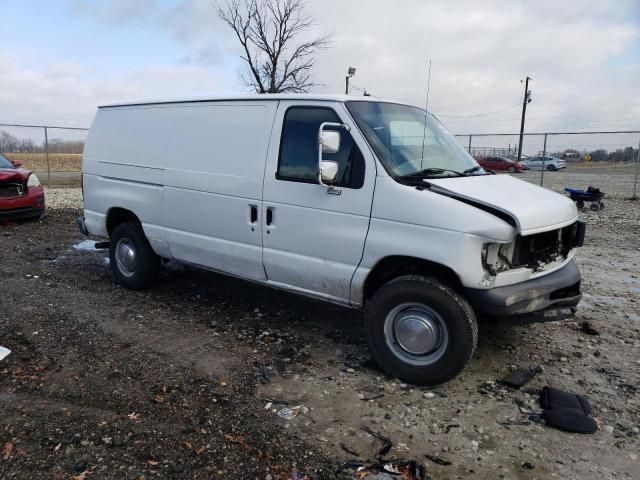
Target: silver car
pixel 547 163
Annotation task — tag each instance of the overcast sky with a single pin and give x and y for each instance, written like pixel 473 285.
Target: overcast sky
pixel 59 60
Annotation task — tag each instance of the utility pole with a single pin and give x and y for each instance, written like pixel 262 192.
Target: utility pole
pixel 525 100
pixel 350 73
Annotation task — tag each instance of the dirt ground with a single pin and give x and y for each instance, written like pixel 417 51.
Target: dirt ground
pixel 184 380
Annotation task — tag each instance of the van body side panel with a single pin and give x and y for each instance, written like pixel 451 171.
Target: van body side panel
pixel 213 179
pixel 435 227
pixel 316 239
pixel 142 199
pixel 455 250
pixel 123 166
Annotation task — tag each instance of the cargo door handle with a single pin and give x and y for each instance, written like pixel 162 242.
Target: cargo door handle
pixel 253 214
pixel 269 216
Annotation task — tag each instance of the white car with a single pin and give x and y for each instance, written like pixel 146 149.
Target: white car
pixel 350 200
pixel 545 163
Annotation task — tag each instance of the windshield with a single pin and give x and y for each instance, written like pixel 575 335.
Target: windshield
pixel 5 163
pixel 407 146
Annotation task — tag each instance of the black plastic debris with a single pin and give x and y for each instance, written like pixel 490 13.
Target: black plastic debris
pixel 449 427
pixel 518 378
pixel 589 329
pixel 386 443
pixel 438 460
pixel 567 411
pixel 374 397
pixel 509 423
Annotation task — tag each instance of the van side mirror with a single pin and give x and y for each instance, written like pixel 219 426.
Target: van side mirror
pixel 329 142
pixel 328 171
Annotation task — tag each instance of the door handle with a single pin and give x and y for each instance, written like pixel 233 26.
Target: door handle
pixel 253 214
pixel 269 215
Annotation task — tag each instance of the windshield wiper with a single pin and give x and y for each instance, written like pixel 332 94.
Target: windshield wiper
pixel 472 169
pixel 478 167
pixel 433 171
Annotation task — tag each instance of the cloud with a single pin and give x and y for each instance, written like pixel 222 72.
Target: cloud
pixel 68 94
pixel 480 51
pixel 583 55
pixel 193 23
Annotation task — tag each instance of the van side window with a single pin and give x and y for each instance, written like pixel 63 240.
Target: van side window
pixel 298 160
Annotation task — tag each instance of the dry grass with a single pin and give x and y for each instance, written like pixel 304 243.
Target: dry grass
pixel 37 162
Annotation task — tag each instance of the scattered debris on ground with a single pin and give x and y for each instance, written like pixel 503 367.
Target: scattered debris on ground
pixel 172 382
pixel 567 411
pixel 4 352
pixel 519 377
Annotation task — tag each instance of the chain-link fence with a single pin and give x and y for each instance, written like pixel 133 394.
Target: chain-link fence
pixel 609 161
pixel 54 154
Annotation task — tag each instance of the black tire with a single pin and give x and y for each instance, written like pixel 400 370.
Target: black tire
pixel 594 207
pixel 454 313
pixel 551 168
pixel 601 205
pixel 580 204
pixel 144 263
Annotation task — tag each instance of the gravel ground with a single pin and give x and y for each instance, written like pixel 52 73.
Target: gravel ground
pixel 616 181
pixel 184 380
pixel 63 198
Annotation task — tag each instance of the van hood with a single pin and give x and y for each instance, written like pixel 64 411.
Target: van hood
pixel 533 209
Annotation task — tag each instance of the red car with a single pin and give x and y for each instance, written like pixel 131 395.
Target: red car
pixel 21 195
pixel 499 163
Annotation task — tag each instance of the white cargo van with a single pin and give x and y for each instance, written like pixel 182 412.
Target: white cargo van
pixel 366 203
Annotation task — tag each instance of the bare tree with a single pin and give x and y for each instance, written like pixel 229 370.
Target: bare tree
pixel 272 33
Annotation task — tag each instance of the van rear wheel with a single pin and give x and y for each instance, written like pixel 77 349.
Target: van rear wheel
pixel 134 264
pixel 420 330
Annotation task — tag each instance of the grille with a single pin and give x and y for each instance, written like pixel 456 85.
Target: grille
pixel 535 251
pixel 11 190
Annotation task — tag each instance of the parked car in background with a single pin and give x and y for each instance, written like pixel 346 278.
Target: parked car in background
pixel 548 163
pixel 21 195
pixel 500 163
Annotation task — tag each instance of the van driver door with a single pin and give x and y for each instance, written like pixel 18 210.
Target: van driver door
pixel 313 237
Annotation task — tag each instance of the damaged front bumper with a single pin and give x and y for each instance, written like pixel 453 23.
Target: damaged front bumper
pixel 551 297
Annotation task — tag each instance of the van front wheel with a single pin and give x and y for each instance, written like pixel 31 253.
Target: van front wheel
pixel 134 264
pixel 420 330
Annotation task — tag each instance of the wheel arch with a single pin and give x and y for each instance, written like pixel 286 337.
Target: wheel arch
pixel 395 266
pixel 118 215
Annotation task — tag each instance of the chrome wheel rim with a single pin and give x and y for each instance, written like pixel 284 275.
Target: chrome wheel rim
pixel 416 333
pixel 126 258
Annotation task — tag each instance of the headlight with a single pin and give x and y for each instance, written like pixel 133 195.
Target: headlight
pixel 33 181
pixel 496 257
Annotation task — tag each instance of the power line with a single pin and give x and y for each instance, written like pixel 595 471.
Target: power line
pixel 479 114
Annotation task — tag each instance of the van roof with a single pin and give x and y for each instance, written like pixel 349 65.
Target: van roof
pixel 250 97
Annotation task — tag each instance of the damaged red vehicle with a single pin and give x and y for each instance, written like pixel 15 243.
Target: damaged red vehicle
pixel 21 195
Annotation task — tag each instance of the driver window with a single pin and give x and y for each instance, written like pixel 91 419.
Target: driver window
pixel 298 160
